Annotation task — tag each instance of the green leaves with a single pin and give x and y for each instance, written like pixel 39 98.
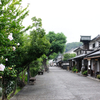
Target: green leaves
pixel 57 42
pixel 68 56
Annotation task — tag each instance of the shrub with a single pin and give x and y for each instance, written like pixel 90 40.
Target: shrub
pixel 84 72
pixel 98 76
pixel 74 69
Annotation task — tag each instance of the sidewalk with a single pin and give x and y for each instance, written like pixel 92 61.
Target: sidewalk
pixel 93 78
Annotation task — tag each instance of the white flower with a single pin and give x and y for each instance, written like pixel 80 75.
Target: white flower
pixel 10 11
pixel 14 48
pixel 10 37
pixel 0 3
pixel 2 67
pixel 18 44
pixel 6 59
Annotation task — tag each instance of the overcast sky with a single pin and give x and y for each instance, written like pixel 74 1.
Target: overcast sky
pixel 71 17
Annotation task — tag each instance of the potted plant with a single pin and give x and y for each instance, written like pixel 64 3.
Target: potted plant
pixel 98 76
pixel 84 73
pixel 76 70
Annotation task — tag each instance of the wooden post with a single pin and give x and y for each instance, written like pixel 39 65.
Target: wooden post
pixel 89 69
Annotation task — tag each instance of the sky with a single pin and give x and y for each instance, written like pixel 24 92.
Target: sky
pixel 74 18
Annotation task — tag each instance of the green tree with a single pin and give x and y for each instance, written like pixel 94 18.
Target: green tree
pixel 11 29
pixel 68 56
pixel 57 42
pixel 53 55
pixel 17 51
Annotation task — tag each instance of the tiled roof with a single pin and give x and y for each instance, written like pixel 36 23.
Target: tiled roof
pixel 95 53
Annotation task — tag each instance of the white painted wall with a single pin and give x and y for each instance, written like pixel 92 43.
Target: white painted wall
pixel 88 63
pixel 90 45
pixel 96 44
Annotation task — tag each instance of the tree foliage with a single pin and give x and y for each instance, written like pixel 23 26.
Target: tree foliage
pixel 72 45
pixel 17 51
pixel 53 55
pixel 57 42
pixel 68 56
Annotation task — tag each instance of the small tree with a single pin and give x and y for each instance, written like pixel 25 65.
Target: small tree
pixel 57 42
pixel 68 56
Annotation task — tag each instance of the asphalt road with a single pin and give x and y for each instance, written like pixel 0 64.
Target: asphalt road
pixel 60 84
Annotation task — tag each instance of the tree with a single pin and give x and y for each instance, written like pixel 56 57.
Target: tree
pixel 57 42
pixel 15 55
pixel 53 55
pixel 11 29
pixel 68 56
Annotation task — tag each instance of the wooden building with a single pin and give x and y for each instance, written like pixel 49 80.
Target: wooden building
pixel 88 56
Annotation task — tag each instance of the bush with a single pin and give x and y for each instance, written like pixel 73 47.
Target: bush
pixel 98 76
pixel 74 69
pixel 84 72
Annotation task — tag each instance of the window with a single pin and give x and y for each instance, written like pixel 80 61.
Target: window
pixel 99 44
pixel 94 45
pixel 77 53
pixel 80 51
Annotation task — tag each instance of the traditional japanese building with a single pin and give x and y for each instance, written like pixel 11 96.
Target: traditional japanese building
pixel 88 56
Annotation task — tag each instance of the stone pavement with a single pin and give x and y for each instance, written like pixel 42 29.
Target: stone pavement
pixel 60 84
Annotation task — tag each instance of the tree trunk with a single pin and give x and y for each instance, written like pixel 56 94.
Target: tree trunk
pixel 28 77
pixel 44 64
pixel 4 95
pixel 12 94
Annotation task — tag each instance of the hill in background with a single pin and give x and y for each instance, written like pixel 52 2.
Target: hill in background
pixel 72 45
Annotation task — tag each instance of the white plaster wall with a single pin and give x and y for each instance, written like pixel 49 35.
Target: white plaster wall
pixel 90 45
pixel 78 52
pixel 96 44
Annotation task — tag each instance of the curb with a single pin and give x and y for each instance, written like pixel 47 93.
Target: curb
pixel 93 78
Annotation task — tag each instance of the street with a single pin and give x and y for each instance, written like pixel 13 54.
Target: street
pixel 60 84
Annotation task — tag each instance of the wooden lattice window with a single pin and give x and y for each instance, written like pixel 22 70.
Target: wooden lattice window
pixel 94 45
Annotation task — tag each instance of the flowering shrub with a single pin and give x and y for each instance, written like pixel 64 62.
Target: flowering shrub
pixel 10 37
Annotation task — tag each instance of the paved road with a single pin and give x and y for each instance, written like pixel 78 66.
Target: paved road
pixel 60 84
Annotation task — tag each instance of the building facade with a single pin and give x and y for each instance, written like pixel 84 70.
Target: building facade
pixel 88 56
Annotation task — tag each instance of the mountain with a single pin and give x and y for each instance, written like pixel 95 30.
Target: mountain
pixel 72 45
